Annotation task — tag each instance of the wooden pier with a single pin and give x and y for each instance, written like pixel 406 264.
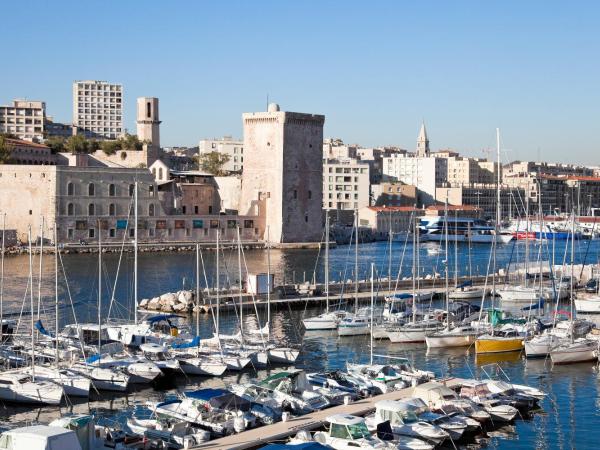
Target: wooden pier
pixel 261 436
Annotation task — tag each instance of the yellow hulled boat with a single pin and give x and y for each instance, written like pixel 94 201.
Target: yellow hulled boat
pixel 498 344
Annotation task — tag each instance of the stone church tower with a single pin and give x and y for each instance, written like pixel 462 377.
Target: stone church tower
pixel 422 142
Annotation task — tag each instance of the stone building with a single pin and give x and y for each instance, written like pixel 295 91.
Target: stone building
pixel 380 218
pixel 393 194
pixel 98 109
pixel 345 184
pixel 422 143
pixel 86 201
pixel 226 145
pixel 148 122
pixel 27 152
pixel 282 180
pixel 24 119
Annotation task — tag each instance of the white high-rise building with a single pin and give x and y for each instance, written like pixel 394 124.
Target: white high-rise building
pixel 98 109
pixel 345 184
pixel 424 173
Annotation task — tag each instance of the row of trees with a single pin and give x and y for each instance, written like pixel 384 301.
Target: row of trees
pixel 80 144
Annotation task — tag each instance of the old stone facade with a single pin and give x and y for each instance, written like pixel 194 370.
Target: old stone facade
pixel 283 173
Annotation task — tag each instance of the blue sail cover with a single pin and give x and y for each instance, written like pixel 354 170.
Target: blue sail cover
pixel 305 446
pixel 206 394
pixel 92 359
pixel 401 296
pixel 465 284
pixel 193 343
pixel 160 317
pixel 40 327
pixel 538 305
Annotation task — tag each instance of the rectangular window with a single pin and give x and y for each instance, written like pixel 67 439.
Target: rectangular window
pixel 112 233
pixel 70 233
pixel 91 233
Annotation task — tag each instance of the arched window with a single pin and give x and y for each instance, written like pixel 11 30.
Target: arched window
pixel 111 209
pixel 151 209
pixel 91 209
pixel 160 173
pixel 70 209
pixel 91 189
pixel 70 188
pixel 131 189
pixel 111 190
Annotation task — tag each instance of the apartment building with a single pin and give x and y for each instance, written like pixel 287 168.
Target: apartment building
pixel 345 184
pixel 228 146
pixel 24 119
pixel 484 197
pixel 471 171
pixel 383 219
pixel 98 109
pixel 393 194
pixel 426 173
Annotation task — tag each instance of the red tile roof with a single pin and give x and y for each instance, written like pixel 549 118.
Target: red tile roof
pixel 453 208
pixel 393 208
pixel 23 143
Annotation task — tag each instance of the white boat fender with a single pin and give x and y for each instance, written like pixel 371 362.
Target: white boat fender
pixel 239 424
pixel 346 400
pixel 285 416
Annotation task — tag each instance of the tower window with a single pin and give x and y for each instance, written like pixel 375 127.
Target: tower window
pixel 91 189
pixel 148 110
pixel 91 209
pixel 69 188
pixel 295 193
pixel 111 190
pixel 306 218
pixel 309 195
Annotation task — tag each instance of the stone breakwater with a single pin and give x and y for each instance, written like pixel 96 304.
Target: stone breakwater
pixel 171 302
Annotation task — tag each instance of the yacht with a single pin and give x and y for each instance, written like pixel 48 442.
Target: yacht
pixel 460 229
pixel 413 331
pixel 460 336
pixel 506 340
pixel 579 350
pixel 24 389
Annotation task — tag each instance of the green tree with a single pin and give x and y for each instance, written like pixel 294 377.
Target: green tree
pixel 213 162
pixel 93 145
pixel 56 144
pixel 77 144
pixel 110 147
pixel 5 151
pixel 131 142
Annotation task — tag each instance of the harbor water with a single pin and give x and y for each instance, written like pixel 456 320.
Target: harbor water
pixel 569 414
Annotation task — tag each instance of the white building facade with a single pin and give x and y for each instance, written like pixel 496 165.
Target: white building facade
pixel 228 146
pixel 345 184
pixel 24 119
pixel 426 173
pixel 98 109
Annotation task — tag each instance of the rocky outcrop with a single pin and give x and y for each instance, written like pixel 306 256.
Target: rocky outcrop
pixel 178 302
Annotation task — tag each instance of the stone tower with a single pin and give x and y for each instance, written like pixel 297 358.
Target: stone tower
pixel 282 181
pixel 422 142
pixel 148 123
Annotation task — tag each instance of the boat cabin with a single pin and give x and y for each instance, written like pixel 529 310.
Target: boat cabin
pixel 347 427
pixel 397 413
pixel 39 437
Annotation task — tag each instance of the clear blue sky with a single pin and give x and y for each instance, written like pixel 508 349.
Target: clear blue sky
pixel 375 69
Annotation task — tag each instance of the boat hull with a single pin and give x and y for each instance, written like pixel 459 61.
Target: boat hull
pixel 345 330
pixel 441 341
pixel 407 336
pixel 576 354
pixel 498 345
pixel 317 323
pixel 588 305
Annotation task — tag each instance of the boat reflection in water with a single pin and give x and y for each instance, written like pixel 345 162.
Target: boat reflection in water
pixel 491 358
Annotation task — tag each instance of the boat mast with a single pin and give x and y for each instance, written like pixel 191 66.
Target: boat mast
pixel 414 274
pixel 135 253
pixel 356 264
pixel 446 263
pixel 100 288
pixel 31 305
pixel 197 289
pixel 268 285
pixel 455 244
pixel 240 284
pixel 497 222
pixel 572 268
pixel 40 267
pixel 528 229
pixel 327 261
pixel 541 221
pixel 390 255
pixel 469 249
pixel 55 293
pixel 372 308
pixel 2 278
pixel 217 276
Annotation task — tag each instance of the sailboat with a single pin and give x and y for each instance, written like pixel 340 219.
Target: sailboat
pixel 415 331
pixel 461 336
pixel 576 350
pixel 29 388
pixel 465 290
pixel 329 320
pixel 506 340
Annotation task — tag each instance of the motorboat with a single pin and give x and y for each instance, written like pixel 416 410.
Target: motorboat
pixel 39 437
pixel 103 378
pixel 498 409
pixel 541 345
pixel 453 424
pixel 442 398
pixel 25 389
pixel 346 431
pixel 383 377
pixel 467 292
pixel 588 305
pixel 178 434
pixel 342 382
pixel 354 325
pixel 218 410
pixel 291 388
pixel 460 229
pixel 404 421
pixel 159 355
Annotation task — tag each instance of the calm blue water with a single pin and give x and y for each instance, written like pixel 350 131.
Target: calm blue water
pixel 570 415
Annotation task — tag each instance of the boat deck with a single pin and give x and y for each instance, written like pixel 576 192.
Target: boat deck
pixel 258 437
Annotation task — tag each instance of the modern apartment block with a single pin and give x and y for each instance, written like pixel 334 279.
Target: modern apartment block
pixel 98 109
pixel 426 173
pixel 345 184
pixel 24 119
pixel 228 146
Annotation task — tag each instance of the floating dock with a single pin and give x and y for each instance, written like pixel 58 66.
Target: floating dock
pixel 261 436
